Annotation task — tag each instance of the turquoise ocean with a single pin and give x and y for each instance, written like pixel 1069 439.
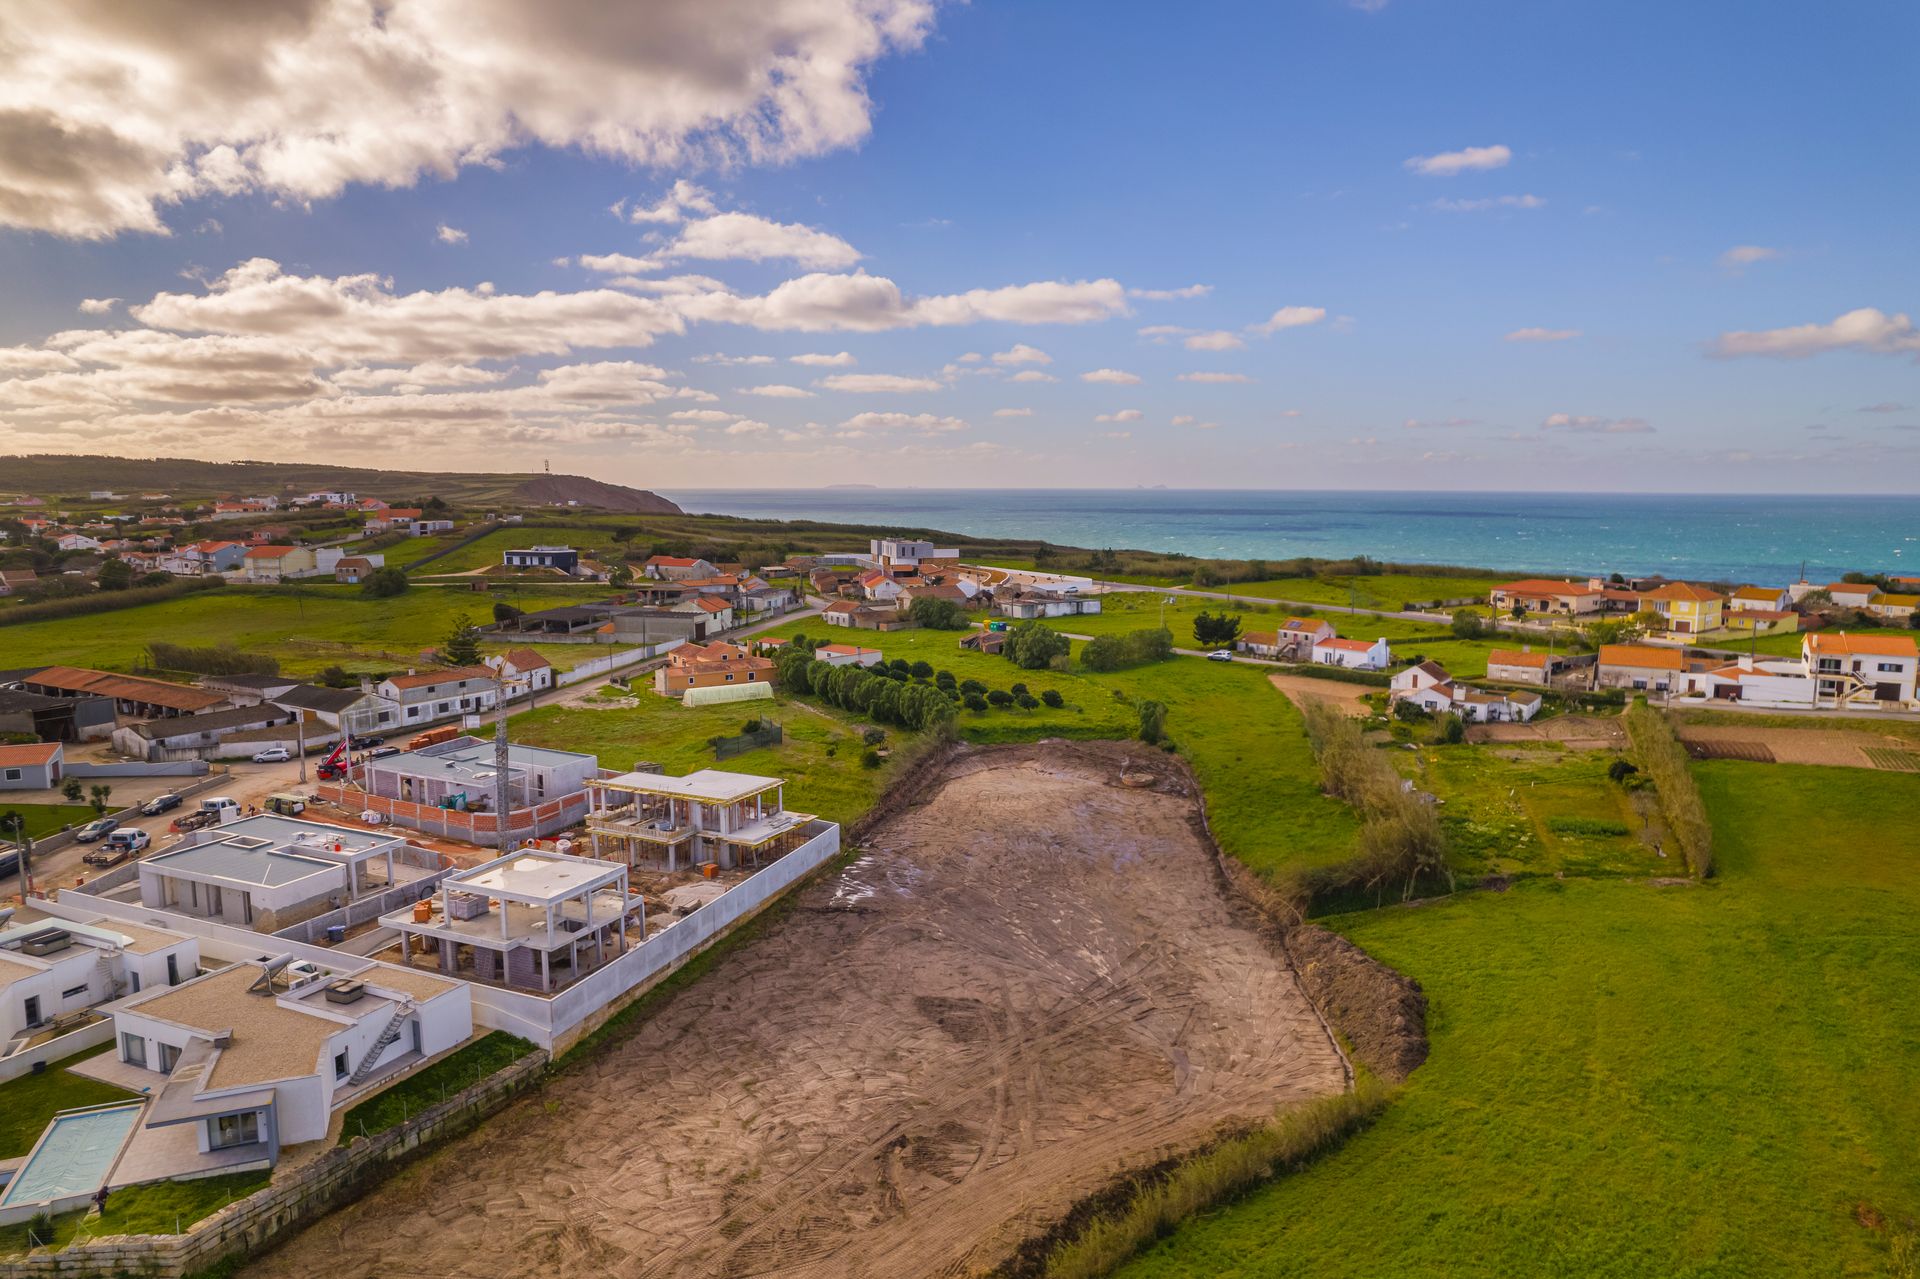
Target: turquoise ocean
pixel 1746 538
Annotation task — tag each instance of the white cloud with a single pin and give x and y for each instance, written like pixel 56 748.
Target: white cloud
pixel 1032 375
pixel 702 415
pixel 1543 335
pixel 420 376
pixel 1117 377
pixel 1217 340
pixel 1116 435
pixel 1448 164
pixel 1171 295
pixel 883 382
pixel 779 392
pixel 98 306
pixel 1867 330
pixel 1208 376
pixel 671 207
pixel 742 237
pixel 1183 419
pixel 841 360
pixel 1596 425
pixel 1289 317
pixel 450 235
pixel 1491 202
pixel 616 263
pixel 746 426
pixel 1021 353
pixel 1421 424
pixel 144 110
pixel 1158 334
pixel 971 357
pixel 732 359
pixel 871 303
pixel 1124 415
pixel 1013 412
pixel 869 423
pixel 1742 256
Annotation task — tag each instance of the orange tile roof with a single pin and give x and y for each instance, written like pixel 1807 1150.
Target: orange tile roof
pixel 1681 592
pixel 1643 657
pixel 1862 645
pixel 32 753
pixel 1546 586
pixel 525 659
pixel 1514 657
pixel 711 605
pixel 1347 645
pixel 425 679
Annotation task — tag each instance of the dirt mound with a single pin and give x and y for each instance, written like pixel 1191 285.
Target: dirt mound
pixel 1031 977
pixel 1381 1013
pixel 549 489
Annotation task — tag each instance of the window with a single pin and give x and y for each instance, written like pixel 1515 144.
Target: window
pixel 133 1049
pixel 13 774
pixel 75 993
pixel 173 970
pixel 1890 668
pixel 169 1058
pixel 133 976
pixel 340 1064
pixel 226 1131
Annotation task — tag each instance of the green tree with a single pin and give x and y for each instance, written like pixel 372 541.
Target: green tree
pixel 621 577
pixel 1468 624
pixel 921 670
pixel 1000 697
pixel 385 582
pixel 504 612
pixel 938 615
pixel 1153 722
pixel 1034 647
pixel 1213 631
pixel 462 645
pixel 975 703
pixel 115 575
pixel 97 795
pixel 1052 698
pixel 73 790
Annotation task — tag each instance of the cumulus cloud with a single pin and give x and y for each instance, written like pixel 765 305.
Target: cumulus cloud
pixel 743 237
pixel 1021 353
pixel 871 423
pixel 859 302
pixel 615 263
pixel 1013 412
pixel 111 113
pixel 1596 425
pixel 1118 377
pixel 1209 376
pixel 1742 256
pixel 1491 202
pixel 732 359
pixel 1447 164
pixel 1217 340
pixel 450 235
pixel 1124 415
pixel 1032 375
pixel 702 415
pixel 430 374
pixel 885 382
pixel 1289 317
pixel 98 306
pixel 840 360
pixel 777 391
pixel 746 426
pixel 682 197
pixel 1183 419
pixel 1867 330
pixel 1543 335
pixel 1171 295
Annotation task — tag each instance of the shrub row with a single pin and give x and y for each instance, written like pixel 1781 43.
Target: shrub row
pixel 1664 759
pixel 1136 648
pixel 106 601
pixel 1400 836
pixel 223 660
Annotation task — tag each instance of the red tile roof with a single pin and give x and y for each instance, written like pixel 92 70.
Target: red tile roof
pixel 424 679
pixel 1546 586
pixel 1514 657
pixel 1643 657
pixel 1841 643
pixel 29 755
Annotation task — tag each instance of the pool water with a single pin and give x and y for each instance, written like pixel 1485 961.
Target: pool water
pixel 74 1155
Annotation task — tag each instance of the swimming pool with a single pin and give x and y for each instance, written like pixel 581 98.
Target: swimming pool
pixel 74 1155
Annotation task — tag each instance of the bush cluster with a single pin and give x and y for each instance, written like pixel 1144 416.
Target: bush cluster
pixel 1400 836
pixel 1664 759
pixel 105 601
pixel 883 694
pixel 209 661
pixel 1135 648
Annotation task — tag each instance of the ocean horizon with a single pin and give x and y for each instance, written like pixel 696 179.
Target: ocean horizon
pixel 1762 538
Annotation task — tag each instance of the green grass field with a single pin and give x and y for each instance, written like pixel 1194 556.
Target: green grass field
pixel 47 819
pixel 463 1068
pixel 27 1103
pixel 1385 591
pixel 307 628
pixel 1630 1080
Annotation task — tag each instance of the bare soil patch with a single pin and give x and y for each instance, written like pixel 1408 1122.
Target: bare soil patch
pixel 1351 698
pixel 1845 748
pixel 1575 732
pixel 1029 981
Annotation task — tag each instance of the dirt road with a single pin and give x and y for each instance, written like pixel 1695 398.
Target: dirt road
pixel 1031 981
pixel 1351 698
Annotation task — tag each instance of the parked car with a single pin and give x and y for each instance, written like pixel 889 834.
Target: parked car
pixel 104 857
pixel 132 838
pixel 272 755
pixel 195 820
pixel 381 752
pixel 159 804
pixel 1220 655
pixel 93 830
pixel 286 804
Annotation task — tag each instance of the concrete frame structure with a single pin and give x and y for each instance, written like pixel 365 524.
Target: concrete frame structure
pixel 515 908
pixel 440 773
pixel 267 872
pixel 649 819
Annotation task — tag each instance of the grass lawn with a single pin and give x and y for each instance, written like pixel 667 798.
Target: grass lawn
pixel 1629 1080
pixel 594 541
pixel 307 628
pixel 27 1103
pixel 48 819
pixel 1386 591
pixel 159 1208
pixel 491 1052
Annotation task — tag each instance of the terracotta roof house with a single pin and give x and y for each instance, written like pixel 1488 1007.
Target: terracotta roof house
pixel 1545 595
pixel 1639 666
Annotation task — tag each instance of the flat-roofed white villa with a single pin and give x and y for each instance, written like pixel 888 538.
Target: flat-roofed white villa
pixel 652 821
pixel 531 921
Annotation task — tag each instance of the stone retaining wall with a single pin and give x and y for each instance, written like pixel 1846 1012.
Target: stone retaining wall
pixel 291 1202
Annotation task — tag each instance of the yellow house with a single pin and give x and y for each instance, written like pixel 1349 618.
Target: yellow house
pixel 1762 621
pixel 1686 608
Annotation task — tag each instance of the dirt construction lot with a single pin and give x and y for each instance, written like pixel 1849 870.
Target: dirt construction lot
pixel 1847 748
pixel 1351 698
pixel 1031 981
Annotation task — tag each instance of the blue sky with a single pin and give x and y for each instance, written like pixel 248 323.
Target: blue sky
pixel 1496 245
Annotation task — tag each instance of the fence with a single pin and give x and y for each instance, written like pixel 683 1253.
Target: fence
pixel 294 1199
pixel 614 662
pixel 453 823
pixel 134 768
pixel 59 1048
pixel 741 743
pixel 312 931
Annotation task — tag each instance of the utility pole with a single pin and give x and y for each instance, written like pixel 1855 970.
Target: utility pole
pixel 300 736
pixel 500 787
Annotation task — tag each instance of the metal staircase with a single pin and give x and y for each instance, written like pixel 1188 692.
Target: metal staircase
pixel 113 986
pixel 387 1035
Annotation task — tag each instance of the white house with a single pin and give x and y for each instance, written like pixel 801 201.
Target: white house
pixel 1768 599
pixel 77 542
pixel 425 696
pixel 520 671
pixel 847 655
pixel 899 554
pixel 1353 654
pixel 1522 666
pixel 255 1062
pixel 54 971
pixel 1852 594
pixel 1861 671
pixel 1429 687
pixel 34 766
